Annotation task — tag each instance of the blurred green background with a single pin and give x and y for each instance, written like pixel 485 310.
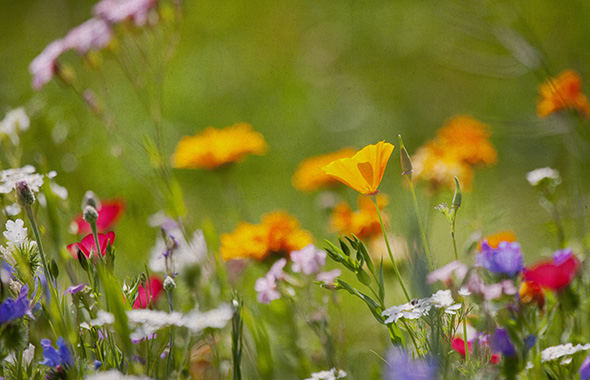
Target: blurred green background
pixel 312 77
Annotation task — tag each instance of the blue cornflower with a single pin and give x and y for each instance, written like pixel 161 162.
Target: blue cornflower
pixel 403 367
pixel 56 358
pixel 500 342
pixel 506 259
pixel 13 309
pixel 584 370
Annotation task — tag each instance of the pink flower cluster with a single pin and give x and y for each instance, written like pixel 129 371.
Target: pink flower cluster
pixel 308 260
pixel 94 34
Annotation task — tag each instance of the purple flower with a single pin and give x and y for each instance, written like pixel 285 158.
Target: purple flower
pixel 500 342
pixel 115 11
pixel 584 370
pixel 506 259
pixel 308 260
pixel 56 358
pixel 13 309
pixel 74 289
pixel 403 367
pixel 276 270
pixel 93 34
pixel 561 256
pixel 43 66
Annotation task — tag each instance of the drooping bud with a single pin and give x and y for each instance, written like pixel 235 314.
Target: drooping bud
pixel 457 198
pixel 90 215
pixel 24 194
pixel 404 158
pixel 169 284
pixel 90 199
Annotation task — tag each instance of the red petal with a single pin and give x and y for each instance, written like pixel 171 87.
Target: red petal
pixel 109 213
pixel 156 288
pixel 552 276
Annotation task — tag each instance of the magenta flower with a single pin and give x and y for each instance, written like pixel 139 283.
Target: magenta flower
pixel 87 245
pixel 109 213
pixel 93 34
pixel 308 260
pixel 155 289
pixel 115 11
pixel 44 65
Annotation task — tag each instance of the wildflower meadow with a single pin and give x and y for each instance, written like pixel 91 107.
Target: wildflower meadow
pixel 321 190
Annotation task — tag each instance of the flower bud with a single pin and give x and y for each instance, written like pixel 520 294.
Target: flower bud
pixel 169 284
pixel 404 158
pixel 90 199
pixel 90 215
pixel 457 198
pixel 24 194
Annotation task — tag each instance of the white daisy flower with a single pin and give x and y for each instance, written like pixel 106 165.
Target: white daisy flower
pixel 556 352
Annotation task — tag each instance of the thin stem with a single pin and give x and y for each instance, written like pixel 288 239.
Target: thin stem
pixel 397 273
pixel 171 343
pixel 31 217
pixel 465 334
pixel 420 224
pixel 453 233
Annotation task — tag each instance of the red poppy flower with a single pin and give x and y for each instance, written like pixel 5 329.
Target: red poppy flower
pixel 87 244
pixel 109 213
pixel 459 346
pixel 155 289
pixel 554 276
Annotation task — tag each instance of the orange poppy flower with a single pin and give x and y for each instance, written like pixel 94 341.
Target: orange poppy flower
pixel 363 223
pixel 216 147
pixel 563 92
pixel 310 176
pixel 363 171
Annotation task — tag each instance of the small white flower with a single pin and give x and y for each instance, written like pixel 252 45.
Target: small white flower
pixel 15 121
pixel 59 191
pixel 16 232
pixel 464 292
pixel 410 310
pixel 332 374
pixel 103 318
pixel 444 299
pixel 12 210
pixel 556 352
pixel 184 254
pixel 536 176
pixel 9 178
pixel 6 254
pixel 15 286
pixel 28 355
pixel 113 374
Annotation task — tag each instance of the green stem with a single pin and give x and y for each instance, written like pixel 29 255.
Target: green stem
pixel 453 234
pixel 397 273
pixel 465 334
pixel 31 217
pixel 171 343
pixel 420 224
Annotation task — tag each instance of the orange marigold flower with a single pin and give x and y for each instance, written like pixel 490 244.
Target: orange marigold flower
pixel 563 92
pixel 216 147
pixel 363 171
pixel 279 232
pixel 531 292
pixel 363 223
pixel 469 139
pixel 459 145
pixel 309 175
pixel 495 239
pixel 439 165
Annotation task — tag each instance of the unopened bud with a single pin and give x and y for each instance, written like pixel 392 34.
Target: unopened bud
pixel 90 215
pixel 404 158
pixel 24 194
pixel 90 199
pixel 169 284
pixel 457 198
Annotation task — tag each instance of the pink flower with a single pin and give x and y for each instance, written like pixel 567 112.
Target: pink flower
pixel 328 278
pixel 266 287
pixel 445 274
pixel 43 66
pixel 109 212
pixel 155 289
pixel 115 11
pixel 555 274
pixel 490 291
pixel 308 260
pixel 93 34
pixel 87 244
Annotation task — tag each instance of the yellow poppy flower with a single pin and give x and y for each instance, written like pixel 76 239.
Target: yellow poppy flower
pixel 563 92
pixel 363 171
pixel 216 147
